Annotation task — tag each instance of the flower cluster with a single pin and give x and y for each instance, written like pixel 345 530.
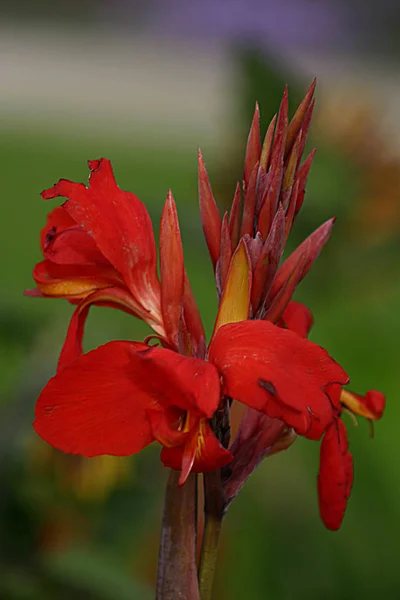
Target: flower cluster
pixel 99 249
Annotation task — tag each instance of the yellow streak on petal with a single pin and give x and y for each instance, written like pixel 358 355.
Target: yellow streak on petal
pixel 355 406
pixel 78 288
pixel 235 301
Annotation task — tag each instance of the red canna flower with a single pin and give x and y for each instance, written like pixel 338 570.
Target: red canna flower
pixel 99 249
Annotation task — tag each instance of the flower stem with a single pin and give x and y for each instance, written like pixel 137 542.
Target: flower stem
pixel 177 577
pixel 213 509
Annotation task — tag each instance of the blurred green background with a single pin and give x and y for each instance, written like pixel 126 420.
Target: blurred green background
pixel 89 529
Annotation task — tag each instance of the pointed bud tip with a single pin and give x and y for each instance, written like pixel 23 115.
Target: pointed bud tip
pixel 284 107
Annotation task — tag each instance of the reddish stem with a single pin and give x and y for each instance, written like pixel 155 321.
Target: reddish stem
pixel 177 573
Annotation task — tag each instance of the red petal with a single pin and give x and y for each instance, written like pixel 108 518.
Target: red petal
pixel 275 371
pixel 202 453
pixel 165 425
pixel 57 221
pixel 187 383
pixel 121 227
pixel 172 269
pixel 335 477
pixel 63 242
pixel 96 405
pixel 210 216
pixel 72 282
pixel 298 318
pixel 370 406
pixel 315 242
pixel 111 297
pixel 253 148
pixel 74 247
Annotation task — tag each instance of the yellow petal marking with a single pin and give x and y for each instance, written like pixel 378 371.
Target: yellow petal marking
pixel 235 301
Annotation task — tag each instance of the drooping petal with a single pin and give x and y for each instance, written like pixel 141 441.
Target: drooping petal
pixel 210 216
pixel 370 406
pixel 96 405
pixel 172 269
pixel 111 297
pixel 276 371
pixel 121 227
pixel 203 453
pixel 298 318
pixel 235 301
pixel 335 477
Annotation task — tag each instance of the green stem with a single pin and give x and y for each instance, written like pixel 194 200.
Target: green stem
pixel 177 577
pixel 213 509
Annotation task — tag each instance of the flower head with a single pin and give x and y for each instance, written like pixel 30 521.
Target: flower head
pixel 99 249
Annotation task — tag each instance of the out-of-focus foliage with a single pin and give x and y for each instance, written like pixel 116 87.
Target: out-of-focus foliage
pixel 71 527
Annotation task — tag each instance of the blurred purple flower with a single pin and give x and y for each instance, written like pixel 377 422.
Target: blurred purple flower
pixel 287 25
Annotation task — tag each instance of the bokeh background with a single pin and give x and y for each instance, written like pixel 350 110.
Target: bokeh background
pixel 145 84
